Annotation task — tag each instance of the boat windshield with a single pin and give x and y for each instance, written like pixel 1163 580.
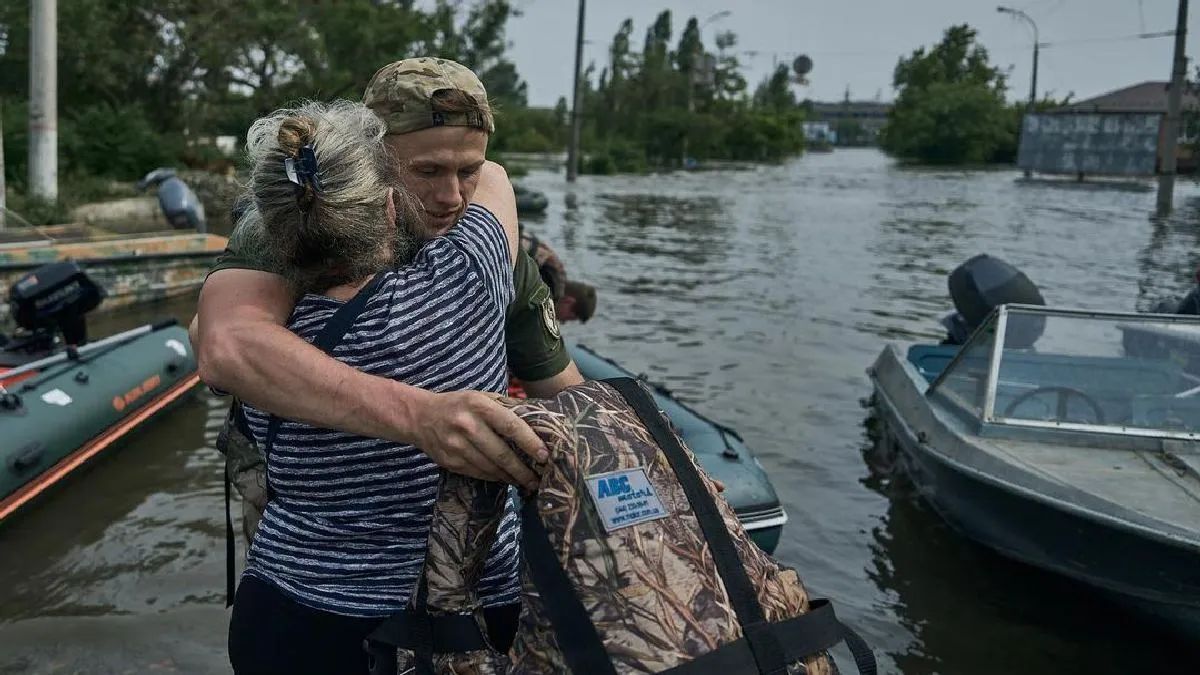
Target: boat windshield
pixel 1135 374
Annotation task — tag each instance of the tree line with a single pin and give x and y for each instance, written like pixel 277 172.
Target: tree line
pixel 143 83
pixel 146 83
pixel 666 105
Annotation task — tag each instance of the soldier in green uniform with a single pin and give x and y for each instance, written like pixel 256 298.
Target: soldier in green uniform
pixel 435 110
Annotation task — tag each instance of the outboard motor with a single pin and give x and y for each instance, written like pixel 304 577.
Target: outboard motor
pixel 178 202
pixel 1189 304
pixel 51 300
pixel 979 286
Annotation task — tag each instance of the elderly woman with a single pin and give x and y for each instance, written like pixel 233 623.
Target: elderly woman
pixel 344 535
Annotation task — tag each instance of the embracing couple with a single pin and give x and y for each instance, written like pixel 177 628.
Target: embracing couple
pixel 367 312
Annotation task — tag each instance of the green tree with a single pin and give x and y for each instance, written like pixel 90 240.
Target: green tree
pixel 728 82
pixel 652 108
pixel 775 92
pixel 950 107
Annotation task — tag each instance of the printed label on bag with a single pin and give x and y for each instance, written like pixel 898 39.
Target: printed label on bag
pixel 624 498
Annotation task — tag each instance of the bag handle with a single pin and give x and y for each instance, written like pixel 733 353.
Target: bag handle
pixel 768 652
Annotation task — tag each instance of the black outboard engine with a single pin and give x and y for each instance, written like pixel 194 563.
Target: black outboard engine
pixel 1189 304
pixel 982 284
pixel 51 300
pixel 179 204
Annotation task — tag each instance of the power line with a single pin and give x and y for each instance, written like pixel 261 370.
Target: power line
pixel 780 55
pixel 1117 38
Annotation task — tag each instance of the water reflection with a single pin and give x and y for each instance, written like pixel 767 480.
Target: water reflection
pixel 666 229
pixel 117 539
pixel 1169 260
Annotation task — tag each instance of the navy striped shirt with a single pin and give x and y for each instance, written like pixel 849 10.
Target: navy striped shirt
pixel 346 529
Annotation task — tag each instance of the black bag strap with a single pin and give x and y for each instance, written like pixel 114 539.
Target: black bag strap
pixel 768 652
pixel 417 631
pixel 413 629
pixel 230 545
pixel 580 644
pixel 238 419
pixel 330 336
pixel 802 636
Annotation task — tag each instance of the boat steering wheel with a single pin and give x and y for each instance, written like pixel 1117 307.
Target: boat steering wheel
pixel 1064 394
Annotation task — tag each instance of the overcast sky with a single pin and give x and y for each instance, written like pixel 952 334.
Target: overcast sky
pixel 855 43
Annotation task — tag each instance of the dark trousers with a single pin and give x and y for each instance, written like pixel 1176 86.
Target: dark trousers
pixel 271 634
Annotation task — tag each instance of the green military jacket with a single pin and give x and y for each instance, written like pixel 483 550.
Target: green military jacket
pixel 534 343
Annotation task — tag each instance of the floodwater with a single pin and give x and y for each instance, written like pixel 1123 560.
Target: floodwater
pixel 758 296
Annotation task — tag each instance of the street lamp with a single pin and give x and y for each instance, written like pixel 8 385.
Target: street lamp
pixel 716 17
pixel 697 53
pixel 1018 14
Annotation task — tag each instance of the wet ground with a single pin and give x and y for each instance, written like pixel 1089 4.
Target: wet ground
pixel 758 296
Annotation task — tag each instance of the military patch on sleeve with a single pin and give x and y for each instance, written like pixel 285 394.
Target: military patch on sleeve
pixel 549 319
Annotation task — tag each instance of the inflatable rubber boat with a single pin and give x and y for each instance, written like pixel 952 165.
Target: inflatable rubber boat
pixel 63 400
pixel 718 448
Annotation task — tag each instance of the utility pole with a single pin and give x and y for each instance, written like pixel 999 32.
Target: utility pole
pixel 1029 109
pixel 2 187
pixel 1166 175
pixel 697 56
pixel 576 117
pixel 43 100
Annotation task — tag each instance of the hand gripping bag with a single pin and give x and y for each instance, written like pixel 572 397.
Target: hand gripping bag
pixel 631 562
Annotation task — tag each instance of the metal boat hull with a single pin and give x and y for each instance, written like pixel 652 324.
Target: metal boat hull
pixel 133 270
pixel 1154 575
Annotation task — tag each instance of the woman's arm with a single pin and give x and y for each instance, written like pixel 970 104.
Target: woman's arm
pixel 244 348
pixel 495 193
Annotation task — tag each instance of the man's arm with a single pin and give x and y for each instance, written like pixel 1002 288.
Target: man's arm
pixel 550 386
pixel 533 340
pixel 537 329
pixel 243 347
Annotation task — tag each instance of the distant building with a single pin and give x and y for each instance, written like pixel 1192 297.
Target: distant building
pixel 1148 98
pixel 1145 97
pixel 820 132
pixel 870 115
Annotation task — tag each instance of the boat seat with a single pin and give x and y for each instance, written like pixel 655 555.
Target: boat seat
pixel 1166 412
pixel 931 360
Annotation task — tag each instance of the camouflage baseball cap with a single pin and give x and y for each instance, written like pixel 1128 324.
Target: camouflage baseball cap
pixel 401 93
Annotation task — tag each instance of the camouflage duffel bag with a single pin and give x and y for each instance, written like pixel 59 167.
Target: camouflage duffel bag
pixel 631 561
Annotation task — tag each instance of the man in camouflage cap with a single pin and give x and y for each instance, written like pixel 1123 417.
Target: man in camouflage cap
pixel 439 123
pixel 402 94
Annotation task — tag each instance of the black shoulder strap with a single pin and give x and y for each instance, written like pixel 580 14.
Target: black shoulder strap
pixel 813 632
pixel 580 644
pixel 230 545
pixel 331 336
pixel 237 418
pixel 768 653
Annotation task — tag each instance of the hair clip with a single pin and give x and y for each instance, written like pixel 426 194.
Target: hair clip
pixel 303 171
